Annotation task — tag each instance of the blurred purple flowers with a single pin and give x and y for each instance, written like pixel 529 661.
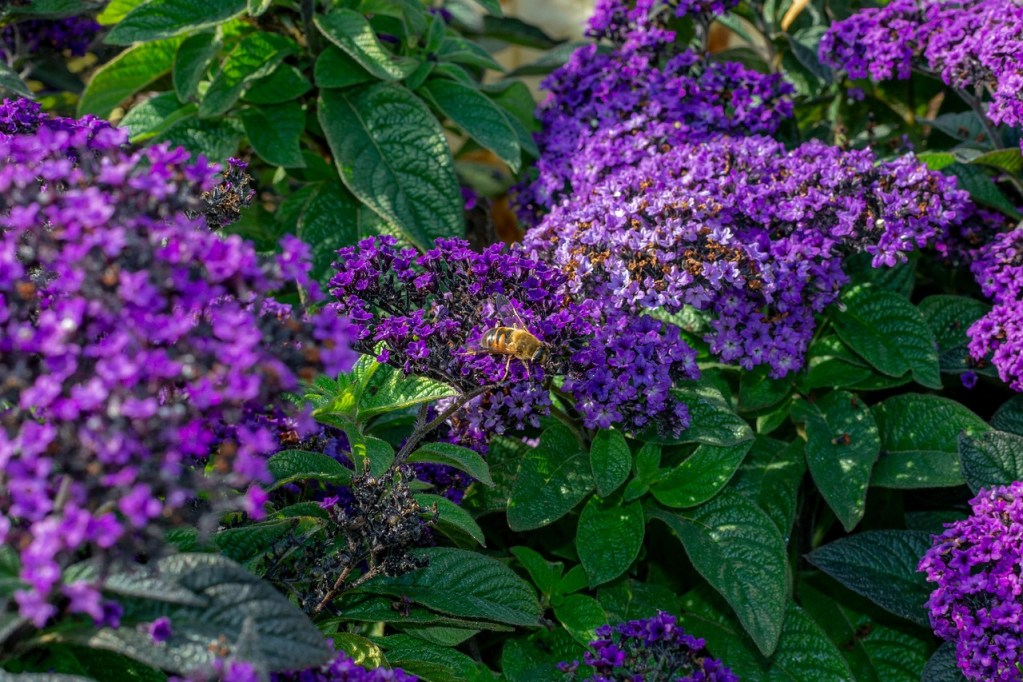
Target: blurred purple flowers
pixel 344 669
pixel 977 604
pixel 137 348
pixel 73 34
pixel 654 649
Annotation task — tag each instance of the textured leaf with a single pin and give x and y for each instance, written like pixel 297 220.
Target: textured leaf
pixel 610 461
pixel 274 133
pixel 461 458
pixel 350 31
pixel 991 459
pixel 451 517
pixel 461 51
pixel 517 32
pixel 116 10
pixel 191 60
pixel 949 317
pixel 483 120
pixel 841 448
pixel 335 69
pixel 881 565
pixel 428 661
pixel 737 548
pixel 942 666
pixel 770 477
pixel 256 56
pixel 10 81
pixel 465 584
pixel 543 573
pixel 393 156
pixel 328 222
pixel 235 605
pixel 291 466
pixel 158 19
pixel 389 389
pixel 919 434
pixel 1009 417
pixel 580 615
pixel 964 125
pixel 126 74
pixel 214 139
pixel 553 477
pixel 983 189
pixel 701 476
pixel 244 543
pixel 608 538
pixel 889 333
pixel 285 84
pixel 155 116
pixel 713 421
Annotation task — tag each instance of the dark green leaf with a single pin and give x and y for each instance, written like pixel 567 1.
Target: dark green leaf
pixel 881 565
pixel 351 32
pixel 285 84
pixel 256 56
pixel 982 188
pixel 430 662
pixel 919 435
pixel 991 459
pixel 949 317
pixel 610 461
pixel 451 517
pixel 701 476
pixel 456 456
pixel 517 32
pixel 483 120
pixel 553 477
pixel 158 19
pixel 770 477
pixel 9 80
pixel 549 61
pixel 215 139
pixel 889 333
pixel 252 541
pixel 155 116
pixel 191 60
pixel 712 420
pixel 274 132
pixel 942 667
pixel 328 222
pixel 389 390
pixel 580 615
pixel 291 466
pixel 126 74
pixel 461 51
pixel 335 69
pixel 964 125
pixel 609 538
pixel 393 156
pixel 1009 417
pixel 804 45
pixel 544 574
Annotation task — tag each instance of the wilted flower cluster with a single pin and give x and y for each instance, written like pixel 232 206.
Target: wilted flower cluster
pixel 977 603
pixel 654 649
pixel 746 229
pixel 974 45
pixel 998 269
pixel 73 34
pixel 137 348
pixel 429 314
pixel 609 110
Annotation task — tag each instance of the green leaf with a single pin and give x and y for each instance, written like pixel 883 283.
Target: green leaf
pixel 982 188
pixel 713 421
pixel 517 32
pixel 461 51
pixel 804 45
pixel 889 333
pixel 965 126
pixel 290 466
pixel 456 456
pixel 841 448
pixel 700 476
pixel 1009 417
pixel 608 538
pixel 1008 160
pixel 553 477
pixel 919 435
pixel 483 120
pixel 942 666
pixel 285 84
pixel 253 619
pixel 544 574
pixel 451 517
pixel 245 543
pixel 216 139
pixel 327 223
pixel 126 74
pixel 737 548
pixel 465 584
pixel 9 80
pixel 257 7
pixel 191 60
pixel 158 19
pixel 991 459
pixel 335 69
pixel 580 615
pixel 949 317
pixel 389 390
pixel 429 662
pixel 256 56
pixel 274 132
pixel 881 565
pixel 116 10
pixel 610 461
pixel 492 6
pixel 393 156
pixel 936 160
pixel 155 116
pixel 351 32
pixel 805 653
pixel 770 477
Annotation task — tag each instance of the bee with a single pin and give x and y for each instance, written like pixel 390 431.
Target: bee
pixel 515 342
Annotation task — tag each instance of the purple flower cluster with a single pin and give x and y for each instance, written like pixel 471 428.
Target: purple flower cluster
pixel 975 45
pixel 747 230
pixel 344 669
pixel 977 603
pixel 609 110
pixel 428 314
pixel 645 21
pixel 142 362
pixel 998 269
pixel 73 34
pixel 654 649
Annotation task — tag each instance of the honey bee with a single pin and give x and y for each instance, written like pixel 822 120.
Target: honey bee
pixel 515 342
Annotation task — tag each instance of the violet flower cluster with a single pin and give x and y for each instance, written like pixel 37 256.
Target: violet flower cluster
pixel 73 34
pixel 747 230
pixel 137 349
pixel 610 110
pixel 977 603
pixel 428 315
pixel 344 669
pixel 974 45
pixel 998 268
pixel 654 649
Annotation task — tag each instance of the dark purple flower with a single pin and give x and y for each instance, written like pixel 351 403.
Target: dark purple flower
pixel 160 629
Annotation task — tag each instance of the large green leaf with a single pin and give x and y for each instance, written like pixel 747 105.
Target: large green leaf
pixel 191 61
pixel 949 317
pixel 456 456
pixel 982 188
pixel 327 222
pixel 737 548
pixel 389 390
pixel 610 460
pixel 126 74
pixel 464 584
pixel 452 520
pixel 284 84
pixel 608 538
pixel 942 666
pixel 158 19
pixel 553 477
pixel 350 31
pixel 842 444
pixel 713 420
pixel 274 133
pixel 770 477
pixel 990 459
pixel 392 155
pixel 335 69
pixel 156 115
pixel 580 615
pixel 9 80
pixel 889 333
pixel 881 565
pixel 429 662
pixel 484 121
pixel 256 56
pixel 291 466
pixel 700 476
pixel 919 435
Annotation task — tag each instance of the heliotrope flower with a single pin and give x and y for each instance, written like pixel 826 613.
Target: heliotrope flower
pixel 977 601
pixel 137 349
pixel 998 269
pixel 654 649
pixel 72 34
pixel 344 669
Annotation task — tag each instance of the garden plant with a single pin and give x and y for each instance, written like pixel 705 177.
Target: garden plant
pixel 333 349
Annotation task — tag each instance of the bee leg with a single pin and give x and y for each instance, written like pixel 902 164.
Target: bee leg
pixel 525 364
pixel 507 366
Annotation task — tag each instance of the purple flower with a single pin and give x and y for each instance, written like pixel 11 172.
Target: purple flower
pixel 344 669
pixel 73 34
pixel 160 629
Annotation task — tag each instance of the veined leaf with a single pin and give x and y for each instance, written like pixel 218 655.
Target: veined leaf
pixel 483 120
pixel 126 74
pixel 157 19
pixel 256 56
pixel 553 477
pixel 350 31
